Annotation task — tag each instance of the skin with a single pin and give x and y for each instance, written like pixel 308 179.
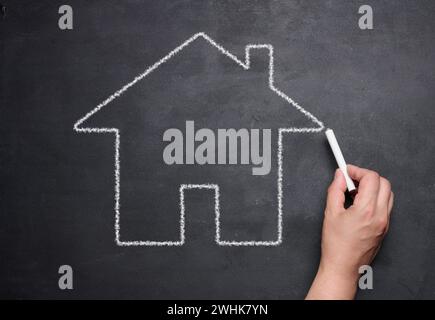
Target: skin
pixel 351 237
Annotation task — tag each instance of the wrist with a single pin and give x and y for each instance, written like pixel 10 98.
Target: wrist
pixel 339 272
pixel 334 283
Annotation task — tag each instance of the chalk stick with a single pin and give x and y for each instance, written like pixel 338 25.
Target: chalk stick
pixel 339 158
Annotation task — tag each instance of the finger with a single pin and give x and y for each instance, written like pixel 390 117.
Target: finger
pixel 390 203
pixel 390 207
pixel 356 172
pixel 335 199
pixel 368 185
pixel 383 195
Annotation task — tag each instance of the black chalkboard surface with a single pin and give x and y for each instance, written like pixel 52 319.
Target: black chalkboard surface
pixel 84 112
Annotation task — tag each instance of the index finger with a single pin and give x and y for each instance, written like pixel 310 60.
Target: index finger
pixel 368 187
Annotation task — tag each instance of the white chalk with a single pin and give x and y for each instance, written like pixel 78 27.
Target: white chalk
pixel 340 159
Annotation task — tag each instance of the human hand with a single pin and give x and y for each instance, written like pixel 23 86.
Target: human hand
pixel 351 237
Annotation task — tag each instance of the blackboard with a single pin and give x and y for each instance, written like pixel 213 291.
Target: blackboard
pixel 58 186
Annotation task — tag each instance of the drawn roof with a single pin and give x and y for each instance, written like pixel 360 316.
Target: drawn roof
pixel 244 64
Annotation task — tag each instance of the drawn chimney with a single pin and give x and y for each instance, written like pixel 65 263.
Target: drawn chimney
pixel 259 58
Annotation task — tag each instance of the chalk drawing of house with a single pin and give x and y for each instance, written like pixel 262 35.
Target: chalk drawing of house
pixel 243 64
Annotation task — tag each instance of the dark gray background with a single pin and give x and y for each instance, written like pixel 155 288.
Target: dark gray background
pixel 374 88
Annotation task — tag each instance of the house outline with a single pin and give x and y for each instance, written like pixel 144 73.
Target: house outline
pixel 206 186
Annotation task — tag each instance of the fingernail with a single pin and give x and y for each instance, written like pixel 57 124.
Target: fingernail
pixel 336 173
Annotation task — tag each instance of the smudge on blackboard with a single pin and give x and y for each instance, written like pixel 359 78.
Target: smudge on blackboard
pixel 3 10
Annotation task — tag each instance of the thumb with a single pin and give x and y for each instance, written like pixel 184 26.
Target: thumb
pixel 335 199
